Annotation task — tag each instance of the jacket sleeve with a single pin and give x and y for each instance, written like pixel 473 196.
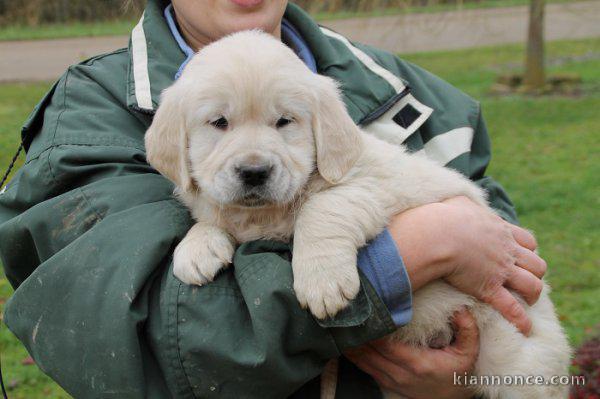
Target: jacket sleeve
pixel 87 231
pixel 479 159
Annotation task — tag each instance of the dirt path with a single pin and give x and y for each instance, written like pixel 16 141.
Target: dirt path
pixel 47 59
pixel 470 28
pixel 39 60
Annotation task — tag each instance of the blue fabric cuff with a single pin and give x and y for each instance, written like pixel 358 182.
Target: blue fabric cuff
pixel 381 263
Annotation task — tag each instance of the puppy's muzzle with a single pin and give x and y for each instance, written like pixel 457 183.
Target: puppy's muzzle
pixel 254 175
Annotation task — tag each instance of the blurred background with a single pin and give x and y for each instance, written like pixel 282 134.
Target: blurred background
pixel 533 64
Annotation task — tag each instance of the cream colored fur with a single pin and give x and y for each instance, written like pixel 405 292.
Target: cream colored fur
pixel 332 187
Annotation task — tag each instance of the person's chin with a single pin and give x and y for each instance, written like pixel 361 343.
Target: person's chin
pixel 262 17
pixel 249 22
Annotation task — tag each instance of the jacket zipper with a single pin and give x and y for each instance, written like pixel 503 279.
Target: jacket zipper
pixel 370 117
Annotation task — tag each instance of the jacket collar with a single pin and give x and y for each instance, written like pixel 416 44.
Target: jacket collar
pixel 154 58
pixel 368 89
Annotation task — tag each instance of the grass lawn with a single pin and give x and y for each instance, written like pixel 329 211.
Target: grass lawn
pixel 124 26
pixel 73 29
pixel 545 153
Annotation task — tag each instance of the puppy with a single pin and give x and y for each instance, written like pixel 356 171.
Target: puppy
pixel 260 147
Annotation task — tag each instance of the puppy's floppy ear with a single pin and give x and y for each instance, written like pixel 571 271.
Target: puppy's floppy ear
pixel 167 140
pixel 337 138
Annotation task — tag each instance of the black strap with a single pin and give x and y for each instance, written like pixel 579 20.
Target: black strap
pixel 2 383
pixel 12 164
pixel 4 178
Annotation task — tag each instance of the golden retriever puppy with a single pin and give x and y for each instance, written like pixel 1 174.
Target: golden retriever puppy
pixel 260 147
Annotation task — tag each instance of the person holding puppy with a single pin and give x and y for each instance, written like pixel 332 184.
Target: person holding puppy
pixel 88 228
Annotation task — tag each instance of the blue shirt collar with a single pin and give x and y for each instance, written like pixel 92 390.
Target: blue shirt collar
pixel 289 35
pixel 187 50
pixel 292 38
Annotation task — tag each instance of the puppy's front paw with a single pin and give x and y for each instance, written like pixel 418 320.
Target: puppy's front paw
pixel 201 254
pixel 325 284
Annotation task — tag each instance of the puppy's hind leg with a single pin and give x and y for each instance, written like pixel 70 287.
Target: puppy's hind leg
pixel 202 253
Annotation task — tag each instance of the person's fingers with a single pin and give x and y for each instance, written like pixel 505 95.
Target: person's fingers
pixel 374 364
pixel 398 352
pixel 380 376
pixel 529 260
pixel 411 361
pixel 523 237
pixel 508 306
pixel 466 342
pixel 525 284
pixel 385 382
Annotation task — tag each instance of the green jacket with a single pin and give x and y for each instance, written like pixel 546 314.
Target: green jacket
pixel 87 231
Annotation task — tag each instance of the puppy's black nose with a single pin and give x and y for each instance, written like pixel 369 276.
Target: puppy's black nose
pixel 254 175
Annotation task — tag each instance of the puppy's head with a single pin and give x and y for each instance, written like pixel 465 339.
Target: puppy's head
pixel 248 123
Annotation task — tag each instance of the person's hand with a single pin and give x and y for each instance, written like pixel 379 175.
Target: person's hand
pixel 475 251
pixel 422 372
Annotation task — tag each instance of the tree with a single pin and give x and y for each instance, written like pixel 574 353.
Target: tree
pixel 535 76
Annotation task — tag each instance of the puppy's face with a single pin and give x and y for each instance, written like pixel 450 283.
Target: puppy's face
pixel 248 123
pixel 250 136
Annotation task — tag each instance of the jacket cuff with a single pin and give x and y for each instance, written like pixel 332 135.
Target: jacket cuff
pixel 381 263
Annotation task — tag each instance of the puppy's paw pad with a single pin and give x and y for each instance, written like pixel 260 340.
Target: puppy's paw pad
pixel 198 258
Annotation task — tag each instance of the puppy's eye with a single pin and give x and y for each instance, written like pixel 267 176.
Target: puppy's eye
pixel 282 122
pixel 220 123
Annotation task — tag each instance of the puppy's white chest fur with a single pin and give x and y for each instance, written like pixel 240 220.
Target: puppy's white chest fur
pixel 244 225
pixel 272 222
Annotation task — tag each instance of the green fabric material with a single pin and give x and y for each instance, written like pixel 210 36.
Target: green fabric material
pixel 87 231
